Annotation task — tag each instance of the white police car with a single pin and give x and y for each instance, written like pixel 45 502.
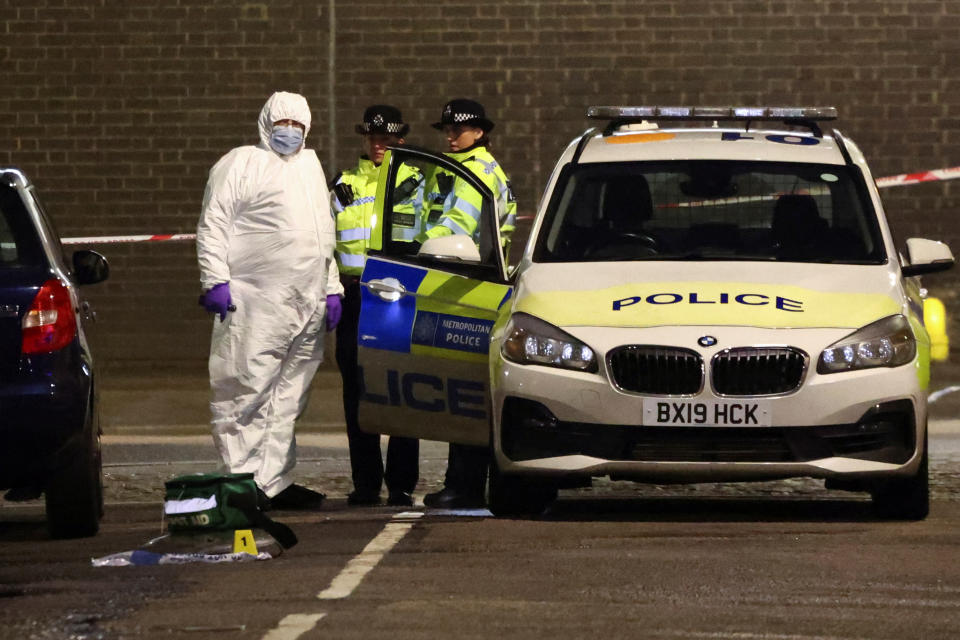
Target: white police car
pixel 707 294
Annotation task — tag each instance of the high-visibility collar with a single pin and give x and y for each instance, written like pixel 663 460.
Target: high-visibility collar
pixel 466 154
pixel 366 166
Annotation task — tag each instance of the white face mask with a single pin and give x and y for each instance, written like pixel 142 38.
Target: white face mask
pixel 286 139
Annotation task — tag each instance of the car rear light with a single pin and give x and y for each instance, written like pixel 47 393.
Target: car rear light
pixel 50 323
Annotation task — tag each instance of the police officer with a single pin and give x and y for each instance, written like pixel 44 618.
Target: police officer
pixel 453 207
pixel 354 193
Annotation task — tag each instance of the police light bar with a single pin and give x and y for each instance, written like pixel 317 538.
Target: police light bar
pixel 713 113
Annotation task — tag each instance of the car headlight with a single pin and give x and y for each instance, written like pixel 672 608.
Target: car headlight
pixel 530 340
pixel 884 343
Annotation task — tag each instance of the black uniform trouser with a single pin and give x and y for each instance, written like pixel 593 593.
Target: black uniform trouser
pixel 366 461
pixel 467 469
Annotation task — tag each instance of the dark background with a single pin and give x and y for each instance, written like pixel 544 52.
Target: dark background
pixel 117 110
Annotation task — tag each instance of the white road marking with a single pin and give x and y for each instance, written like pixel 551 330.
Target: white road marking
pixel 293 626
pixel 360 565
pixel 936 395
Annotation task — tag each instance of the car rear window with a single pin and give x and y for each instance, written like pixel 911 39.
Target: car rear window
pixel 19 243
pixel 710 210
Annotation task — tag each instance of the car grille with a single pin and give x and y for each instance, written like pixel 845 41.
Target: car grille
pixel 660 370
pixel 757 371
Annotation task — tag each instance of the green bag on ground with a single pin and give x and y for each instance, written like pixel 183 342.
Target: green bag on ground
pixel 218 501
pixel 203 501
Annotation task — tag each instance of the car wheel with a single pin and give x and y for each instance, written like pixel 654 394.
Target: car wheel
pixel 514 495
pixel 74 497
pixel 907 498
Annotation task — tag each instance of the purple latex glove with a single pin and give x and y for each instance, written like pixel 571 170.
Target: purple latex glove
pixel 217 300
pixel 334 311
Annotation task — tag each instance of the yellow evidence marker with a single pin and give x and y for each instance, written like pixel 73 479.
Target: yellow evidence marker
pixel 243 542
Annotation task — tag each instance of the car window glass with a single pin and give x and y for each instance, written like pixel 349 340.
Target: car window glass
pixel 429 200
pixel 19 244
pixel 50 232
pixel 710 210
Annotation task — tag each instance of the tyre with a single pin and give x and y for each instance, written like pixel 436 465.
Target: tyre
pixel 907 498
pixel 515 495
pixel 74 497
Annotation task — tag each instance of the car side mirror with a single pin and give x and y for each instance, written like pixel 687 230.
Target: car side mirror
pixel 457 249
pixel 926 256
pixel 89 267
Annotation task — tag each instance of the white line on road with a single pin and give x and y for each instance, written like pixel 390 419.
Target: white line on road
pixel 360 565
pixel 294 626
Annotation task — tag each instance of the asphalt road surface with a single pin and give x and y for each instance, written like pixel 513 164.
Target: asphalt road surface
pixel 779 560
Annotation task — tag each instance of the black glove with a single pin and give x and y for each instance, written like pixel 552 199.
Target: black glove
pixel 344 193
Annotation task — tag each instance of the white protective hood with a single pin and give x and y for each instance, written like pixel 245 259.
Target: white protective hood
pixel 283 106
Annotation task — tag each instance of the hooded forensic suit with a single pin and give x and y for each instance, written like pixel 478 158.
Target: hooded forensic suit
pixel 267 230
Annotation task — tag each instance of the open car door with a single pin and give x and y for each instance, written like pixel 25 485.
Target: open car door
pixel 427 310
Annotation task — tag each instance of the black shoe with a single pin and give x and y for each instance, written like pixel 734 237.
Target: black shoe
pixel 399 499
pixel 452 499
pixel 358 499
pixel 263 502
pixel 297 497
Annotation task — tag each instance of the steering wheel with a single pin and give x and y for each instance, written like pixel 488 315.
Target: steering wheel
pixel 623 245
pixel 637 236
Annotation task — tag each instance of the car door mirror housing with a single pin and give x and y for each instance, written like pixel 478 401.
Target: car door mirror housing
pixel 89 267
pixel 457 249
pixel 927 256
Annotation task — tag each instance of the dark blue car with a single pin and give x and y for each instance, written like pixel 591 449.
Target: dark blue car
pixel 49 428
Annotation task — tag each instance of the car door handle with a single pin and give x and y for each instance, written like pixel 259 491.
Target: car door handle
pixel 388 289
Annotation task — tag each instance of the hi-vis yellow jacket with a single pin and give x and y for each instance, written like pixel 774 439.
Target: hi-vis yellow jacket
pixel 453 207
pixel 355 219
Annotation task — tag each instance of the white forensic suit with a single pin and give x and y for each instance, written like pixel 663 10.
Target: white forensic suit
pixel 267 230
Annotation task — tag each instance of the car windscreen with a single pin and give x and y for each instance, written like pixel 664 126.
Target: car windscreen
pixel 710 210
pixel 19 243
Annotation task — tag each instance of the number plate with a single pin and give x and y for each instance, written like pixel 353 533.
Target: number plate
pixel 711 413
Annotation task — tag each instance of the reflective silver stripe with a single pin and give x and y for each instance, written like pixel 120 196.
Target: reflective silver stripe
pixel 488 167
pixel 467 207
pixel 346 235
pixel 404 233
pixel 453 226
pixel 352 259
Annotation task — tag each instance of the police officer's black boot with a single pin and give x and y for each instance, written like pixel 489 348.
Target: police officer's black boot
pixel 465 481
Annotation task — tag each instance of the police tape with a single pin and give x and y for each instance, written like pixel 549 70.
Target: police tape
pixel 167 237
pixel 933 175
pixel 903 179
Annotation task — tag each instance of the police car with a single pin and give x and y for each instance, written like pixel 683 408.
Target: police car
pixel 707 294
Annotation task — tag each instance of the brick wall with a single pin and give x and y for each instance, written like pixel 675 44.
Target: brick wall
pixel 117 110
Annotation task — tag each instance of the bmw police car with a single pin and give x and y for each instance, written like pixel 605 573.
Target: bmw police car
pixel 707 294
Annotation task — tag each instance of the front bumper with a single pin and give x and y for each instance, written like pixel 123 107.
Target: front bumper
pixel 884 438
pixel 860 425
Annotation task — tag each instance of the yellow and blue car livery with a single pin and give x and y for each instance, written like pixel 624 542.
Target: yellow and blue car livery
pixel 430 344
pixel 719 303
